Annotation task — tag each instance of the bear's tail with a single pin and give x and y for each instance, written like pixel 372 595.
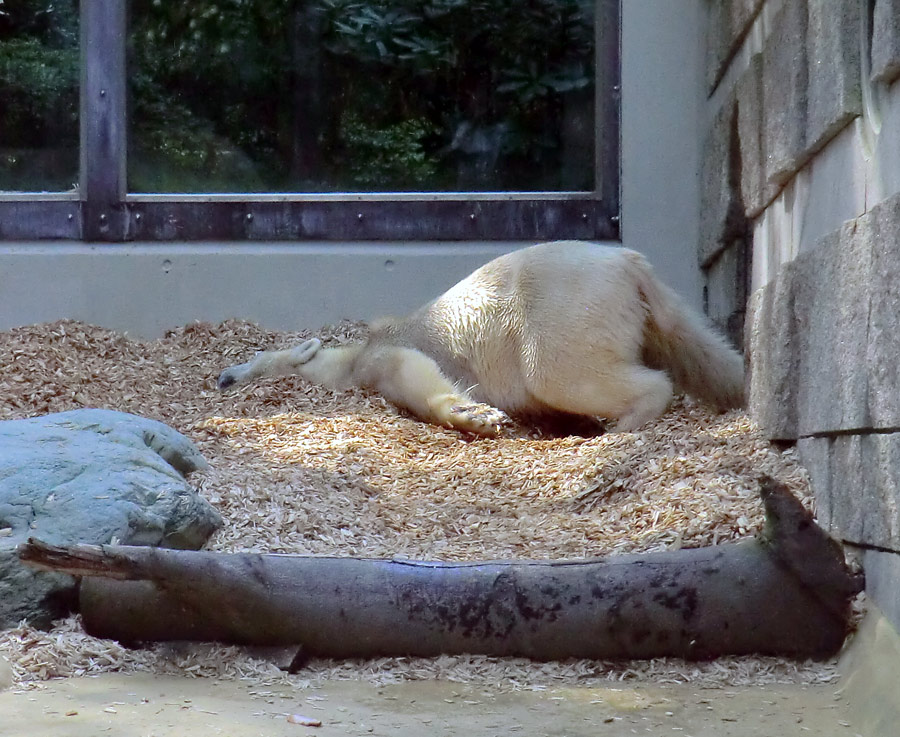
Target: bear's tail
pixel 680 340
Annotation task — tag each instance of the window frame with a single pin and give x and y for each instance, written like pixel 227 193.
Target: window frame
pixel 103 210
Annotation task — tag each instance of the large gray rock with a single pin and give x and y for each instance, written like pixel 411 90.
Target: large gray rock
pixel 90 476
pixel 886 41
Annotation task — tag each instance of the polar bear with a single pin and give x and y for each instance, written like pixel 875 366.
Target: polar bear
pixel 557 330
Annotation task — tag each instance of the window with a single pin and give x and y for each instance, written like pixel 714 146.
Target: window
pixel 39 115
pixel 39 90
pixel 325 119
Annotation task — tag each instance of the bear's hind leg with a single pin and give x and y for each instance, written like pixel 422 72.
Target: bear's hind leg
pixel 631 394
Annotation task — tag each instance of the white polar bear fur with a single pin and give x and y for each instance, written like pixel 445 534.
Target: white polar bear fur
pixel 564 328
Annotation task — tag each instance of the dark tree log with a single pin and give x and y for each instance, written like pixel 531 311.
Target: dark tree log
pixel 787 592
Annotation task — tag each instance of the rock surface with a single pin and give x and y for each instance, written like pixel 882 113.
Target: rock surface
pixel 824 334
pixel 95 476
pixel 834 74
pixel 729 22
pixel 721 212
pixel 857 483
pixel 785 88
pixel 886 41
pixel 824 339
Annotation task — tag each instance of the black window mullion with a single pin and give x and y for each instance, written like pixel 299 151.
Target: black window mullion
pixel 608 96
pixel 103 120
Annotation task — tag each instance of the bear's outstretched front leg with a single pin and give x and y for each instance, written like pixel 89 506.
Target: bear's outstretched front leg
pixel 269 363
pixel 413 381
pixel 331 367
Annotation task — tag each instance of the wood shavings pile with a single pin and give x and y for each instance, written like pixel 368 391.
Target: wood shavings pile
pixel 295 468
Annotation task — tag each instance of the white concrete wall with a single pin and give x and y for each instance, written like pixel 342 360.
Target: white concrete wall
pixel 146 288
pixel 663 57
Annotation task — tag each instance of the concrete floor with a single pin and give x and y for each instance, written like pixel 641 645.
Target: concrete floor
pixel 153 706
pixel 864 703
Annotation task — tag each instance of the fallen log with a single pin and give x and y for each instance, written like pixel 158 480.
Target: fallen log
pixel 787 592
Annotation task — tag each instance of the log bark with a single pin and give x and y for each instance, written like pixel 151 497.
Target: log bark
pixel 788 592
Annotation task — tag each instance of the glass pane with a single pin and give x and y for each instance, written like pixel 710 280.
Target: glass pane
pixel 361 95
pixel 39 75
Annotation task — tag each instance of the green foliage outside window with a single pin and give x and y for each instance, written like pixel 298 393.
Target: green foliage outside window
pixel 38 95
pixel 324 95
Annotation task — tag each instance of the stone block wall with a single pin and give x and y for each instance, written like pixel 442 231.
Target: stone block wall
pixel 729 21
pixel 886 41
pixel 825 344
pixel 795 91
pixel 803 136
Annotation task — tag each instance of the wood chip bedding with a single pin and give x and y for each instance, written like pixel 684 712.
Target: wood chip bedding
pixel 298 469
